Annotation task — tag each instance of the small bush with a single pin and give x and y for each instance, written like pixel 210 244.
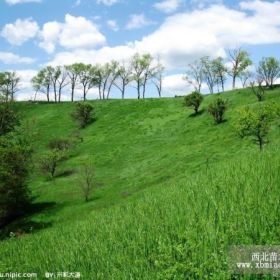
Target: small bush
pixel 217 109
pixel 50 160
pixel 59 144
pixel 194 100
pixel 255 123
pixel 258 91
pixel 83 114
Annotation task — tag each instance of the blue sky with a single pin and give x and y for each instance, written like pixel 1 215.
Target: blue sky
pixel 35 33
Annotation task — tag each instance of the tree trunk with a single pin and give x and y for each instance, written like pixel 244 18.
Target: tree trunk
pixel 233 82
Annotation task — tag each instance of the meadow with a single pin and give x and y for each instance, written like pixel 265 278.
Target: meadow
pixel 174 192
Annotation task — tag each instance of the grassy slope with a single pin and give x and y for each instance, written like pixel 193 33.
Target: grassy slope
pixel 170 184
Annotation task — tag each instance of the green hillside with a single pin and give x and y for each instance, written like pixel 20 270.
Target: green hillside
pixel 174 191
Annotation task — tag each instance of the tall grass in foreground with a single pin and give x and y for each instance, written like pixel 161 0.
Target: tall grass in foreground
pixel 177 232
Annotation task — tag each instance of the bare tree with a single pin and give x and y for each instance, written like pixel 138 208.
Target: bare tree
pixel 62 81
pixel 194 75
pixel 87 181
pixel 157 76
pixel 220 71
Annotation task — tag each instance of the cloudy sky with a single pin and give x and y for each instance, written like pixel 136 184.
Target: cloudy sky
pixel 35 33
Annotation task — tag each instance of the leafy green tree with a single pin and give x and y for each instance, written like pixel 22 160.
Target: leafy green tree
pixel 50 161
pixel 123 78
pixel 209 74
pixel 8 118
pixel 255 123
pixel 240 61
pixel 9 85
pixel 42 82
pixel 83 114
pixel 217 109
pixel 73 72
pixel 269 70
pixel 141 66
pixel 14 162
pixel 220 72
pixel 194 100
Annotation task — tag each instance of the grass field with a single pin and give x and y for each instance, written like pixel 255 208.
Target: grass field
pixel 174 192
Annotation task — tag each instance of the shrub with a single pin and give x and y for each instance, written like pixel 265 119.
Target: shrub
pixel 83 114
pixel 217 109
pixel 50 160
pixel 258 91
pixel 194 100
pixel 255 123
pixel 59 144
pixel 8 118
pixel 14 161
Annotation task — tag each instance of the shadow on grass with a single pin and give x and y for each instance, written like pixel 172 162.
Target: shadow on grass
pixel 65 173
pixel 24 225
pixel 200 112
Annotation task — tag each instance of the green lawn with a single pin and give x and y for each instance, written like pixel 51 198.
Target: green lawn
pixel 174 192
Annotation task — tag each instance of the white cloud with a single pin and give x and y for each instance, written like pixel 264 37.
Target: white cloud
pixel 107 2
pixel 74 33
pixel 20 31
pixel 137 21
pixel 112 24
pixel 14 2
pixel 11 58
pixel 175 85
pixel 184 37
pixel 167 6
pixel 203 3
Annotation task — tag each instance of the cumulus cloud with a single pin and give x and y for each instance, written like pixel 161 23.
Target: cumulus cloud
pixel 168 6
pixel 75 32
pixel 11 58
pixel 20 31
pixel 112 24
pixel 14 2
pixel 137 21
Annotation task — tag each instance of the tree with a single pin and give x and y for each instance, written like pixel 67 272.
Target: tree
pixel 42 82
pixel 269 70
pixel 217 109
pixel 258 90
pixel 240 61
pixel 14 163
pixel 194 100
pixel 50 160
pixel 255 123
pixel 8 118
pixel 220 72
pixel 87 181
pixel 209 75
pixel 157 77
pixel 141 72
pixel 87 77
pixel 9 85
pixel 73 72
pixel 62 80
pixel 123 79
pixel 194 75
pixel 83 114
pixel 245 78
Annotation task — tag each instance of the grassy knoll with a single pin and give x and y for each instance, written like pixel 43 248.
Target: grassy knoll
pixel 175 191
